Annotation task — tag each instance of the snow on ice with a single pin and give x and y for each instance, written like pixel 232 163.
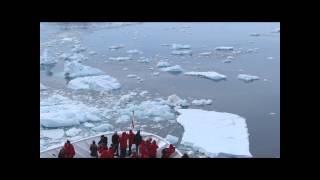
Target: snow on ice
pixel 96 83
pixel 73 131
pixel 215 132
pixel 247 78
pixel 75 69
pixel 52 133
pixel 172 139
pixel 60 111
pixel 103 127
pixel 210 75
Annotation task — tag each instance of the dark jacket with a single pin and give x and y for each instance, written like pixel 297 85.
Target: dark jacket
pixel 94 150
pixel 137 139
pixel 104 141
pixel 115 139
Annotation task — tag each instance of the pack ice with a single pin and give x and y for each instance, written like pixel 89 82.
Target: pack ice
pixel 215 132
pixel 60 111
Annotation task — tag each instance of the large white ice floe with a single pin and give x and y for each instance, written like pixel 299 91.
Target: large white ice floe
pixel 103 127
pixel 180 46
pixel 162 64
pixel 120 58
pixel 210 75
pixel 181 52
pixel 96 83
pixel 215 132
pixel 52 133
pixel 172 139
pixel 60 111
pixel 42 87
pixel 73 132
pixel 224 48
pixel 73 69
pixel 200 102
pixel 149 110
pixel 174 100
pixel 247 78
pixel 45 59
pixel 173 69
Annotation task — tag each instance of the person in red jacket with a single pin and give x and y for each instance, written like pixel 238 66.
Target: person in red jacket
pixel 131 140
pixel 123 140
pixel 143 150
pixel 167 152
pixel 153 149
pixel 148 143
pixel 69 150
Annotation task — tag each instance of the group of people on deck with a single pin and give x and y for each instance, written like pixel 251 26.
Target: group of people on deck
pixel 121 146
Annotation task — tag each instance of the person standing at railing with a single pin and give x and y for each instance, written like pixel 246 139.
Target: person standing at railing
pixel 131 140
pixel 69 150
pixel 153 149
pixel 115 143
pixel 137 141
pixel 94 150
pixel 123 140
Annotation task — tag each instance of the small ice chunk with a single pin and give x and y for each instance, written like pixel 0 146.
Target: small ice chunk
pixel 172 139
pixel 173 69
pixel 174 100
pixel 224 48
pixel 143 60
pixel 78 48
pixel 103 127
pixel 115 47
pixel 270 58
pixel 181 52
pixel 134 51
pixel 88 125
pixel 73 132
pixel 42 87
pixel 201 102
pixel 180 46
pixel 143 93
pixel 205 54
pixel 125 69
pixel 92 53
pixel 126 97
pixel 67 39
pixel 162 64
pixel 96 83
pixel 75 69
pixel 247 78
pixel 165 44
pixel 132 76
pixel 155 74
pixel 52 133
pixel 120 58
pixel 210 75
pixel 227 61
pixel 272 113
pixel 123 119
pixel 255 34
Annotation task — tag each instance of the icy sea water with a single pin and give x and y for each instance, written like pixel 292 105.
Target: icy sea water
pixel 253 101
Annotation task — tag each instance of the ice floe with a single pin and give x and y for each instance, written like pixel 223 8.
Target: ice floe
pixel 92 53
pixel 270 58
pixel 200 102
pixel 88 125
pixel 172 139
pixel 115 47
pixel 173 69
pixel 42 87
pixel 224 48
pixel 162 64
pixel 247 77
pixel 73 131
pixel 205 54
pixel 60 111
pixel 120 58
pixel 174 100
pixel 134 51
pixel 96 83
pixel 125 69
pixel 155 74
pixel 209 75
pixel 180 46
pixel 52 133
pixel 45 59
pixel 181 52
pixel 215 132
pixel 103 127
pixel 73 69
pixel 143 60
pixel 78 48
pixel 132 76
